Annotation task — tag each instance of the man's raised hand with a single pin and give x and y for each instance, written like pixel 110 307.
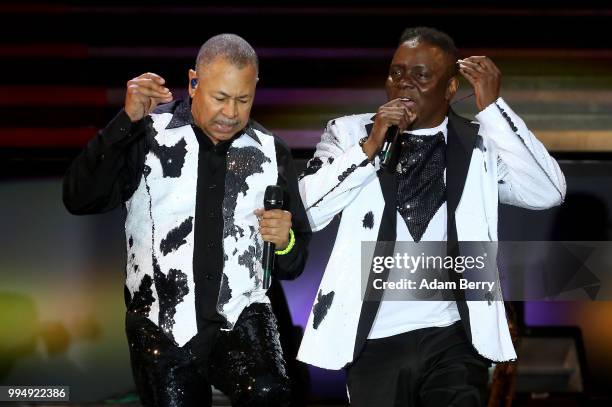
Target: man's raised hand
pixel 484 76
pixel 393 113
pixel 143 94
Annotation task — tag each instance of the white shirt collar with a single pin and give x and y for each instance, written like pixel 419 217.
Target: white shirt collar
pixel 442 127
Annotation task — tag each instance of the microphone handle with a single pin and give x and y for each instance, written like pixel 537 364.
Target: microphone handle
pixel 389 147
pixel 268 263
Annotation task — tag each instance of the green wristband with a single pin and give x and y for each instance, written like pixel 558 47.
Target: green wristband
pixel 289 246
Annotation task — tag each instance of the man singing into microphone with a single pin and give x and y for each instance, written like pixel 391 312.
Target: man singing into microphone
pixel 449 178
pixel 191 175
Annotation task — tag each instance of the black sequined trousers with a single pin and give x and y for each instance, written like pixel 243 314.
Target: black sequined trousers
pixel 246 363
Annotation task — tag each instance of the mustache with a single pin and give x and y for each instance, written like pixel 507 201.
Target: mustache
pixel 227 122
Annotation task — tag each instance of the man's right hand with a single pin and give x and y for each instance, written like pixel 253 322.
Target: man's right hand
pixel 143 94
pixel 392 113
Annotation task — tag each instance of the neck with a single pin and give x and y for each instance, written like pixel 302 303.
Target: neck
pixel 430 125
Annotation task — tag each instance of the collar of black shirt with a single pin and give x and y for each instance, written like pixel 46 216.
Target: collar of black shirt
pixel 181 116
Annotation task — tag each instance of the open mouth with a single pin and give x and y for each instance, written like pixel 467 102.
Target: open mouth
pixel 408 102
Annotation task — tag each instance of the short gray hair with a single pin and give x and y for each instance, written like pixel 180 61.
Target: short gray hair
pixel 232 47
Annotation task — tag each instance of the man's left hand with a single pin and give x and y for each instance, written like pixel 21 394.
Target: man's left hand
pixel 484 76
pixel 274 226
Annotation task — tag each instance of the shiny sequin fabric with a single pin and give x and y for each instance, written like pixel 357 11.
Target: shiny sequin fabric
pixel 164 373
pixel 251 167
pixel 420 180
pixel 161 224
pixel 246 364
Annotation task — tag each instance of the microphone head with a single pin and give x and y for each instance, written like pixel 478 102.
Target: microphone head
pixel 273 198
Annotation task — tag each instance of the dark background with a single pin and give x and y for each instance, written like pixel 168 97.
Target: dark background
pixel 63 72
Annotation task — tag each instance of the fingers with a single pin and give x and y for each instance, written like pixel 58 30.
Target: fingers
pixel 468 74
pixel 480 59
pixel 279 241
pixel 478 65
pixel 392 113
pixel 273 218
pixel 144 93
pixel 149 87
pixel 490 65
pixel 270 234
pixel 471 67
pixel 471 70
pixel 274 225
pixel 393 102
pixel 408 118
pixel 152 79
pixel 484 76
pixel 392 117
pixel 475 59
pixel 153 76
pixel 273 214
pixel 400 116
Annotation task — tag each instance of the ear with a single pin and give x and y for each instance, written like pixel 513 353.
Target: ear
pixel 193 81
pixel 451 88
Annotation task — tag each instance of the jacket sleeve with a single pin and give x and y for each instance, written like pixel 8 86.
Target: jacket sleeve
pixel 108 170
pixel 291 265
pixel 334 176
pixel 528 176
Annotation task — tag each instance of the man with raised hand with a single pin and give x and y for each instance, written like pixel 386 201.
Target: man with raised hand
pixel 449 177
pixel 191 175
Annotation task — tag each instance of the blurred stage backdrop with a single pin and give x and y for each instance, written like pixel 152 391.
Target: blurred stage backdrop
pixel 64 69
